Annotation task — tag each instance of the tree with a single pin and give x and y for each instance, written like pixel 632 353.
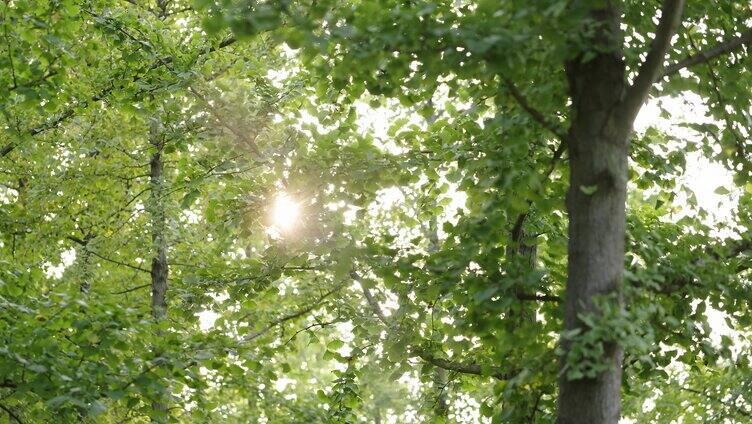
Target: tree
pixel 474 230
pixel 585 74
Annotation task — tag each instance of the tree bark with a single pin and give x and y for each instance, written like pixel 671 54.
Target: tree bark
pixel 441 403
pixel 522 253
pixel 603 111
pixel 596 208
pixel 159 266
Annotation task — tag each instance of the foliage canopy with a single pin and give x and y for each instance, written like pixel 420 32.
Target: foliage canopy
pixel 435 150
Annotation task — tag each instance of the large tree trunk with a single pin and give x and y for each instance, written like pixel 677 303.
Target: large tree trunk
pixel 596 208
pixel 603 111
pixel 159 267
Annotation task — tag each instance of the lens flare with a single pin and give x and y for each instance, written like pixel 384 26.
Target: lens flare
pixel 285 213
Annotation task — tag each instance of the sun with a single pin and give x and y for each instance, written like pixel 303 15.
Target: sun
pixel 285 212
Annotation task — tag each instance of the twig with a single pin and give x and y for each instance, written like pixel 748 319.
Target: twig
pixel 71 111
pixel 83 243
pixel 132 289
pixel 464 368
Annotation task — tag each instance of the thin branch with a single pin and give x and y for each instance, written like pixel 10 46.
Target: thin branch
pixel 375 307
pixel 10 48
pixel 534 113
pixel 460 367
pixel 538 297
pixel 83 243
pixel 132 289
pixel 671 13
pixel 731 251
pixel 724 47
pixel 427 356
pixel 736 248
pixel 317 303
pixel 308 327
pixel 719 97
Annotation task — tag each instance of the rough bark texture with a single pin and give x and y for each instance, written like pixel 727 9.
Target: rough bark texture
pixel 159 267
pixel 603 111
pixel 596 208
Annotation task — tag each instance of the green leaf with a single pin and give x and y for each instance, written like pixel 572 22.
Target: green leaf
pixel 721 190
pixel 189 198
pixel 589 190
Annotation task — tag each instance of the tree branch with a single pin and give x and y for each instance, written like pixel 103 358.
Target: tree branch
pixel 539 297
pixel 650 70
pixel 460 367
pixel 8 384
pixel 84 244
pixel 131 289
pixel 534 113
pixel 726 46
pixel 427 356
pixel 729 251
pixel 293 315
pixel 720 401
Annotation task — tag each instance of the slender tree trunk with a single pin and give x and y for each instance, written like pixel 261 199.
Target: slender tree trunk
pixel 596 207
pixel 441 405
pixel 521 256
pixel 85 285
pixel 159 267
pixel 440 381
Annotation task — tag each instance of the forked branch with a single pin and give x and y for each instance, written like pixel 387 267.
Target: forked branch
pixel 650 70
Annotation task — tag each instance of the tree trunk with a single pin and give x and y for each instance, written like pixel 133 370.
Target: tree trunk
pixel 159 267
pixel 596 208
pixel 86 274
pixel 440 381
pixel 522 253
pixel 441 403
